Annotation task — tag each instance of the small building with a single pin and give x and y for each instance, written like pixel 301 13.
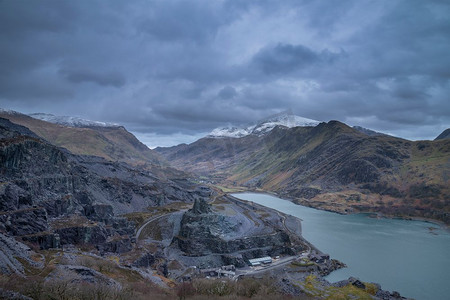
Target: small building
pixel 260 260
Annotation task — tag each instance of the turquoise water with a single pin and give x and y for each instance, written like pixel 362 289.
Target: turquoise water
pixel 401 255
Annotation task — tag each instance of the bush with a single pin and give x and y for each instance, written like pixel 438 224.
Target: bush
pixel 214 287
pixel 185 289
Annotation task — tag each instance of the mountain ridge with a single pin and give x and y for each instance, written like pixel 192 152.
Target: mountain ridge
pixel 71 121
pixel 444 135
pixel 113 143
pixel 330 166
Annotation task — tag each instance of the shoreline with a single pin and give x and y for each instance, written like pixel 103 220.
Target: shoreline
pixel 441 224
pixel 322 277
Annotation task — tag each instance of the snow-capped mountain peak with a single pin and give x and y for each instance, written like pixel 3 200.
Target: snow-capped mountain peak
pixel 71 121
pixel 264 126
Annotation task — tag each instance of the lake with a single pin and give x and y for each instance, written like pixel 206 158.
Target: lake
pixel 411 257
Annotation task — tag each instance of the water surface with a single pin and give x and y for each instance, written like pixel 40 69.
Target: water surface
pixel 401 255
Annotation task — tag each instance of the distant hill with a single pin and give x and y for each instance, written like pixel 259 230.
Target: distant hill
pixel 114 142
pixel 444 135
pixel 331 166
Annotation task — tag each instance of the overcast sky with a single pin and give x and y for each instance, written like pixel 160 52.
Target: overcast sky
pixel 171 71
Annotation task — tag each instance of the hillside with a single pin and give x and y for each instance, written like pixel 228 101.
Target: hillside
pixel 444 135
pixel 41 181
pixel 73 226
pixel 330 166
pixel 113 143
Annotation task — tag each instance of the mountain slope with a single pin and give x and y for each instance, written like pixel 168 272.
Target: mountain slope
pixel 285 119
pixel 71 121
pixel 49 195
pixel 331 166
pixel 114 143
pixel 444 135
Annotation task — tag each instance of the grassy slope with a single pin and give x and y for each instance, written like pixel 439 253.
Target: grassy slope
pixel 109 143
pixel 331 166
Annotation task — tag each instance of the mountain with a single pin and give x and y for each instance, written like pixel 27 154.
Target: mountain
pixel 71 121
pixel 330 166
pixel 46 191
pixel 82 137
pixel 74 226
pixel 69 221
pixel 285 119
pixel 444 135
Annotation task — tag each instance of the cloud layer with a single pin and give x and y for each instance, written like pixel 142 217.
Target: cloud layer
pixel 180 68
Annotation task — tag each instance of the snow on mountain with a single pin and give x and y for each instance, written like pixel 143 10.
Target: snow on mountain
pixel 71 121
pixel 230 132
pixel 9 112
pixel 264 126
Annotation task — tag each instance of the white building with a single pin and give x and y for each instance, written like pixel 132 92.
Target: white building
pixel 260 260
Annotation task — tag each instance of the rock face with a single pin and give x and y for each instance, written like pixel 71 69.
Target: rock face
pixel 9 295
pixel 80 274
pixel 201 222
pixel 11 251
pixel 204 232
pixel 200 207
pixel 51 197
pixel 145 261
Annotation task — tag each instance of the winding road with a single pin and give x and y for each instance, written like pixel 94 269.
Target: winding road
pixel 138 233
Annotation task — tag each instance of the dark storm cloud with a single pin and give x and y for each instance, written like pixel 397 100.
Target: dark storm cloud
pixel 108 78
pixel 194 21
pixel 182 68
pixel 284 58
pixel 227 92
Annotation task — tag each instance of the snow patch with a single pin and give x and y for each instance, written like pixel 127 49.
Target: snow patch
pixel 71 121
pixel 264 126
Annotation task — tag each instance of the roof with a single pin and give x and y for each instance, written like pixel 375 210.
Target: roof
pixel 260 259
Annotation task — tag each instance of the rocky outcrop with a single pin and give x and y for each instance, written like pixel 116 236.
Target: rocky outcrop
pixel 145 261
pixel 203 232
pixel 80 274
pixel 13 254
pixel 116 245
pixel 94 235
pixel 10 295
pixel 201 222
pixel 200 207
pixel 273 244
pixel 380 294
pixel 24 222
pixel 44 240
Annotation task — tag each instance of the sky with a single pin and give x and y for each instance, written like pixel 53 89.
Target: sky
pixel 171 71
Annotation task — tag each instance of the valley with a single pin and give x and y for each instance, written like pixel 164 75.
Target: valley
pixel 330 166
pixel 163 222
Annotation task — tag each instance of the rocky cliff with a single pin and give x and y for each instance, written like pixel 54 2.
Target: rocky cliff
pixel 204 232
